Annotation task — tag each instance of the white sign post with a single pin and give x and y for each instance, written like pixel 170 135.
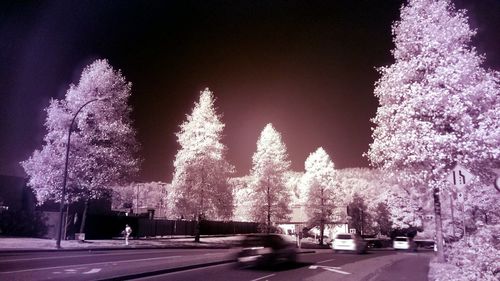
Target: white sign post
pixel 460 177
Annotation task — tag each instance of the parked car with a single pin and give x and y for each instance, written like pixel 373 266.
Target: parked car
pixel 267 249
pixel 374 243
pixel 349 242
pixel 326 240
pixel 404 243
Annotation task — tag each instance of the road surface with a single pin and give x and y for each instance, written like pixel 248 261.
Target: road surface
pixel 318 267
pixel 95 265
pixel 183 264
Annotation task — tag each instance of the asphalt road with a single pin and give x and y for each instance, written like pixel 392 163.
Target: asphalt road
pixel 98 265
pixel 181 264
pixel 308 266
pixel 320 266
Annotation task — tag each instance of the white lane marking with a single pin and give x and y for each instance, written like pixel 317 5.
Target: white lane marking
pixel 338 271
pixel 325 261
pixel 87 264
pixel 93 270
pixel 263 277
pixel 329 268
pixel 70 270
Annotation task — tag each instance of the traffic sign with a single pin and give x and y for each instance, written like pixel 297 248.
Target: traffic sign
pixel 460 176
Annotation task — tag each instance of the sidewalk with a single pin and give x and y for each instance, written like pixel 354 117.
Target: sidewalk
pixel 401 266
pixel 13 244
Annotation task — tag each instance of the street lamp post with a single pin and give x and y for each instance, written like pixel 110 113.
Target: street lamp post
pixel 61 206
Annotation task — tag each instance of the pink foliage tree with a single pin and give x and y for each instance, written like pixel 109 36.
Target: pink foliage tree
pixel 438 105
pixel 103 148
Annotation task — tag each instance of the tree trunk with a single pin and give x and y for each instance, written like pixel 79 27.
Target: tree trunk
pixel 322 220
pixel 197 229
pixel 84 216
pixel 197 232
pixel 439 226
pixel 321 231
pixel 66 223
pixel 268 209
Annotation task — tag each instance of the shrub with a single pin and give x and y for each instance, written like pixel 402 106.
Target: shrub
pixel 474 259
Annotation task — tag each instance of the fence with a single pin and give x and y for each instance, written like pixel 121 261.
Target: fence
pixel 109 226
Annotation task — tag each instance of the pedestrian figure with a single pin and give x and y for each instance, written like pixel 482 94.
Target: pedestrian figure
pixel 127 232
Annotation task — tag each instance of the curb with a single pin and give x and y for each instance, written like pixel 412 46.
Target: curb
pixel 122 248
pixel 115 248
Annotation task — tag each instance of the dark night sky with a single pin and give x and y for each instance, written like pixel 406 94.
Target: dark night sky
pixel 308 67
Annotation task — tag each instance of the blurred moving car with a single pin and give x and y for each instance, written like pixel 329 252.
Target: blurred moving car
pixel 349 242
pixel 267 249
pixel 404 243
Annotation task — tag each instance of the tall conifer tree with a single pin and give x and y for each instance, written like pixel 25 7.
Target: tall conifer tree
pixel 322 199
pixel 201 173
pixel 271 197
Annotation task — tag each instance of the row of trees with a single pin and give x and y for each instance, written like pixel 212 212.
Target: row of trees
pixel 202 186
pixel 103 154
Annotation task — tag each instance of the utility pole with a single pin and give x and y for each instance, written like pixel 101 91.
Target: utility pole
pixel 452 214
pixel 63 195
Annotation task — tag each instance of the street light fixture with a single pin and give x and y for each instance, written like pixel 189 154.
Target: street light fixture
pixel 61 206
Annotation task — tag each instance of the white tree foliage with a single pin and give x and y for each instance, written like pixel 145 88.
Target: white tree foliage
pixel 200 180
pixel 242 194
pixel 438 105
pixel 103 148
pixel 271 196
pixel 296 187
pixel 367 183
pixel 375 186
pixel 404 212
pixel 322 196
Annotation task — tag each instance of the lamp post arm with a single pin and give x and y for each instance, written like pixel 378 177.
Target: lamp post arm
pixel 61 206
